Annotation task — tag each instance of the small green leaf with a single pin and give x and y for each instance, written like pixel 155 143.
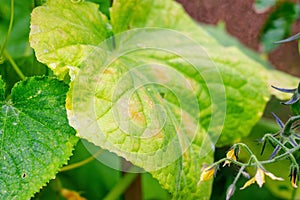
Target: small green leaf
pixel 278 25
pixel 263 5
pixel 63 33
pixel 35 137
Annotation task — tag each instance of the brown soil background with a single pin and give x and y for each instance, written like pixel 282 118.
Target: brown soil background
pixel 244 23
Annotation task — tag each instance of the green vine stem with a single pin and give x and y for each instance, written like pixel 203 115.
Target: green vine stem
pixel 3 53
pixel 273 139
pixel 238 175
pixel 13 64
pixel 81 163
pixel 282 156
pixel 11 20
pixel 249 163
pixel 121 186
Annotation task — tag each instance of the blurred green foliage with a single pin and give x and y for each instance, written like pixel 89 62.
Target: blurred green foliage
pixel 93 179
pixel 279 23
pixel 262 5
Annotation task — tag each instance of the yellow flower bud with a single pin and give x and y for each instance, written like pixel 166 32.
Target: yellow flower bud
pixel 259 178
pixel 230 155
pixel 207 174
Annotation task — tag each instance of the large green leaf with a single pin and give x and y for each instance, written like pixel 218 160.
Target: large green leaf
pixel 35 137
pixel 245 80
pixel 145 108
pixel 64 32
pixel 139 81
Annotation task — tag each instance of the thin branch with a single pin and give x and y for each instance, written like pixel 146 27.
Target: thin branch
pixel 81 163
pixel 13 64
pixel 11 20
